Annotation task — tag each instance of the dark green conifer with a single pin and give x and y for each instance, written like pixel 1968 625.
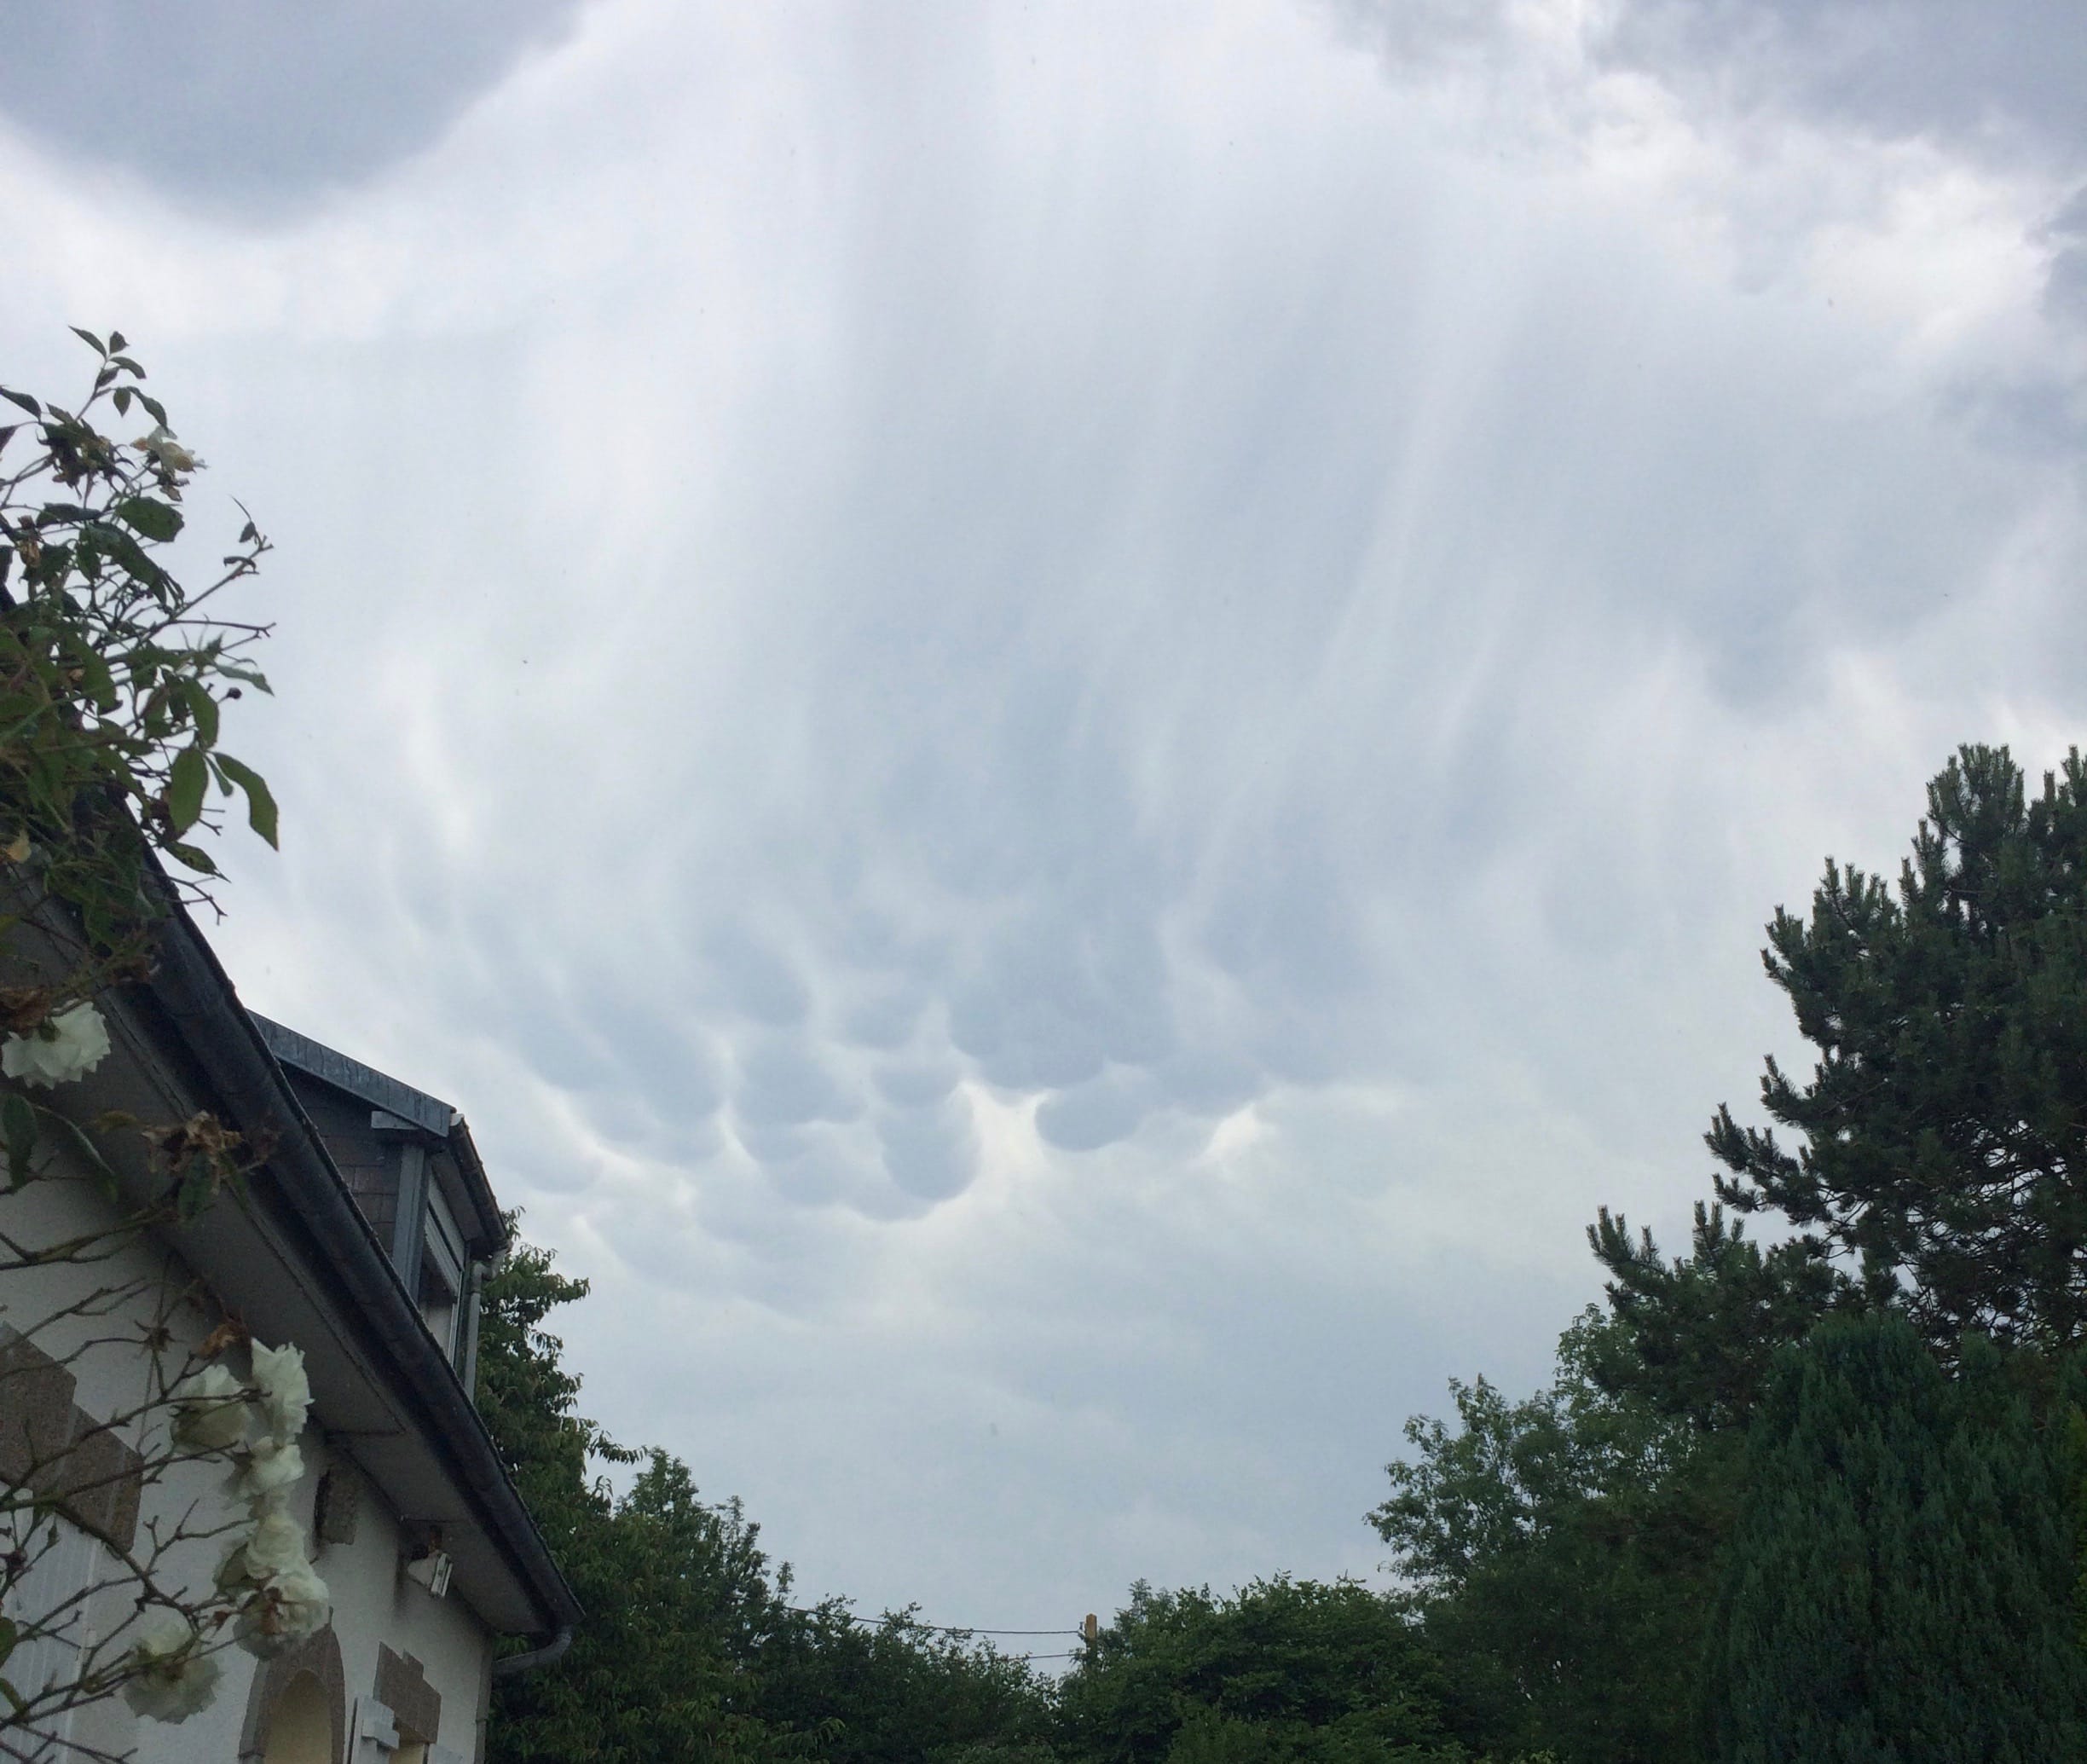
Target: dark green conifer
pixel 1898 1584
pixel 1942 1137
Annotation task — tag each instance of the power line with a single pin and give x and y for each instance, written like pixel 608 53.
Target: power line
pixel 814 1611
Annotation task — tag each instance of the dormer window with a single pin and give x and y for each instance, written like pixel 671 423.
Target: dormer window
pixel 428 1246
pixel 442 1273
pixel 409 1160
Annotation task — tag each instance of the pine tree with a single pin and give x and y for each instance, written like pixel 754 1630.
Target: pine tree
pixel 1943 1132
pixel 1898 1585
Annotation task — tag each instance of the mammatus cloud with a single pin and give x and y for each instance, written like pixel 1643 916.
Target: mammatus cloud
pixel 1068 726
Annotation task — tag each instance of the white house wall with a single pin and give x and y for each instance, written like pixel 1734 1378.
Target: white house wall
pixel 375 1604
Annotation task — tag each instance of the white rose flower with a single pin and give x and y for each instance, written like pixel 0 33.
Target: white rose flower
pixel 290 1608
pixel 277 1547
pixel 172 1677
pixel 271 1470
pixel 161 445
pixel 211 1410
pixel 68 1046
pixel 285 1392
pixel 232 1567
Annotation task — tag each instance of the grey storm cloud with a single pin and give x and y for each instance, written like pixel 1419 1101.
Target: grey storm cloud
pixel 930 1152
pixel 1998 84
pixel 1086 1117
pixel 1068 723
pixel 883 1015
pixel 255 106
pixel 784 1084
pixel 2065 292
pixel 755 977
pixel 2003 79
pixel 914 1085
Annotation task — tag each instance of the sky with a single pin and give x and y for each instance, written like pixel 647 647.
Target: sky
pixel 1067 721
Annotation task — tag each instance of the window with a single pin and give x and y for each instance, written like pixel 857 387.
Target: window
pixel 442 1271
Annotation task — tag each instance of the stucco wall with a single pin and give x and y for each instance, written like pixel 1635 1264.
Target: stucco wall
pixel 441 1650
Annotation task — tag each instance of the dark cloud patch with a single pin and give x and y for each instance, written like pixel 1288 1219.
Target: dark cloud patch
pixel 930 1153
pixel 668 1060
pixel 1210 1081
pixel 571 1055
pixel 806 1165
pixel 253 105
pixel 2002 75
pixel 883 1017
pixel 2002 78
pixel 756 977
pixel 1099 1113
pixel 774 1146
pixel 1036 1043
pixel 622 1119
pixel 915 1083
pixel 784 1084
pixel 1059 994
pixel 2064 292
pixel 1278 922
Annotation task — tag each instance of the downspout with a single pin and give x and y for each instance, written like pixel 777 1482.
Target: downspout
pixel 552 1650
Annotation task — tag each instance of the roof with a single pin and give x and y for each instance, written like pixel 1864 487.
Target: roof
pixel 436 1118
pixel 295 1254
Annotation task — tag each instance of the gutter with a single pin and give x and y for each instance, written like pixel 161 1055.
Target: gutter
pixel 509 1665
pixel 192 988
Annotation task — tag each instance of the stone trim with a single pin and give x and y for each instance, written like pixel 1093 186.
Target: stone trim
pixel 403 1688
pixel 50 1444
pixel 318 1654
pixel 337 1504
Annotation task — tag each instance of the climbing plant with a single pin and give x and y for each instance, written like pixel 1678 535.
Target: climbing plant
pixel 114 674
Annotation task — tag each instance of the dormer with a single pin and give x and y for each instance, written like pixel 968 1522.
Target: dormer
pixel 415 1175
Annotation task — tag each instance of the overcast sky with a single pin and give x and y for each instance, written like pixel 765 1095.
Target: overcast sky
pixel 1068 721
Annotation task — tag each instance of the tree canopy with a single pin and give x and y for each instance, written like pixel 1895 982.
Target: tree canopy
pixel 1809 1495
pixel 1565 1550
pixel 690 1648
pixel 1899 1580
pixel 1560 1554
pixel 1280 1669
pixel 1941 1141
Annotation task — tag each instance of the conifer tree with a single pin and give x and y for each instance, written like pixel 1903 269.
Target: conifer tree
pixel 1942 1139
pixel 1899 1583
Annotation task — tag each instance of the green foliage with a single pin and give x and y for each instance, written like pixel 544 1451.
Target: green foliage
pixel 2075 1460
pixel 1875 1559
pixel 112 675
pixel 993 1751
pixel 112 672
pixel 1901 1576
pixel 1560 1551
pixel 1942 1139
pixel 526 1396
pixel 667 1584
pixel 1694 1338
pixel 690 1649
pixel 896 1692
pixel 1282 1669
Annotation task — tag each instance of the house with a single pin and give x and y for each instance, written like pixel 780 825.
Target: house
pixel 361 1236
